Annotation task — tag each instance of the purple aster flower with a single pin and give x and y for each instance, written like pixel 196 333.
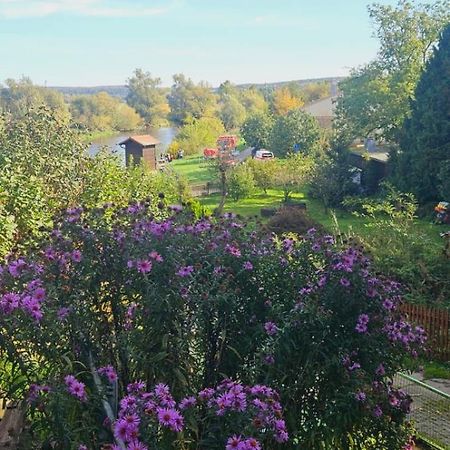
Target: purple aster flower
pixel 185 271
pixel 75 388
pixel 144 265
pixel 109 372
pixel 187 402
pixel 76 256
pixel 82 447
pixel 234 443
pixel 388 304
pixel 248 265
pixel 361 325
pixel 269 360
pixel 233 250
pixel 136 445
pixel 344 282
pixel 62 313
pixel 360 396
pixel 377 411
pixel 252 444
pixel 271 328
pixel 380 370
pixel 170 418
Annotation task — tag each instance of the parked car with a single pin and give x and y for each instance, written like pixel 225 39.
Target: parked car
pixel 264 154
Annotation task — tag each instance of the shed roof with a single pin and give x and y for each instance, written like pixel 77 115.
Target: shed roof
pixel 142 139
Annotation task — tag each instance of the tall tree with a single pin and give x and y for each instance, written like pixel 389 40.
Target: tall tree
pixel 257 129
pixel 231 111
pixel 297 130
pixel 423 164
pixel 189 101
pixel 147 97
pixel 20 96
pixel 376 97
pixel 284 101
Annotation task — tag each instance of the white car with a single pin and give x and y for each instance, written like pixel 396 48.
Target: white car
pixel 264 154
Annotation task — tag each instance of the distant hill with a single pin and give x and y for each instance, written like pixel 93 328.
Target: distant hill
pixel 115 91
pixel 121 91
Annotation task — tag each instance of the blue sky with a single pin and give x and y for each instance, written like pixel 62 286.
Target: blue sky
pixel 93 42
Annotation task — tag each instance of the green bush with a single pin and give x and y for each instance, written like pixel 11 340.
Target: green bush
pixel 240 182
pixel 400 247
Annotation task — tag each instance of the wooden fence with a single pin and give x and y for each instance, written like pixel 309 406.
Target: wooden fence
pixel 435 321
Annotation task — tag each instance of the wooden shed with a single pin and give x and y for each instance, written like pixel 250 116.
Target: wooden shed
pixel 141 148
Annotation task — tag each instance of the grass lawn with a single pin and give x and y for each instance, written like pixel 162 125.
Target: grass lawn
pixel 251 207
pixel 194 168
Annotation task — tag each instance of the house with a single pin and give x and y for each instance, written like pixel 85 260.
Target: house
pixel 322 110
pixel 141 148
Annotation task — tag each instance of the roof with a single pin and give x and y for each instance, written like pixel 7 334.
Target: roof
pixel 143 139
pixel 321 108
pixel 377 156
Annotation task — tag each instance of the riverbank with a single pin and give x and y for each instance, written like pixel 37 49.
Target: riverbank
pixel 88 138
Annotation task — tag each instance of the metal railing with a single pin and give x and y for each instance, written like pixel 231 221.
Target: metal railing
pixel 430 411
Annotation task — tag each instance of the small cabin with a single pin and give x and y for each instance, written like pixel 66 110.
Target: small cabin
pixel 141 148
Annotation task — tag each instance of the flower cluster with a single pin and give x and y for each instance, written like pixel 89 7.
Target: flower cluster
pixel 75 387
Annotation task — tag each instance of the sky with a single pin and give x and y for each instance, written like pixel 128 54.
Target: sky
pixel 101 42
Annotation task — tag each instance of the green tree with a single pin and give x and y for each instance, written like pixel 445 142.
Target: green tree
pixel 147 97
pixel 297 128
pixel 423 163
pixel 264 172
pixel 253 101
pixel 231 111
pixel 332 179
pixel 189 101
pixel 293 173
pixel 18 97
pixel 41 171
pixel 199 134
pixel 376 97
pixel 284 101
pixel 257 129
pixel 240 182
pixel 103 112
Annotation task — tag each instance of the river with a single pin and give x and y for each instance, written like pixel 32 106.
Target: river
pixel 164 135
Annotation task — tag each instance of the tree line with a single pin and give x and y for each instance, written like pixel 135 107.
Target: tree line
pixel 148 103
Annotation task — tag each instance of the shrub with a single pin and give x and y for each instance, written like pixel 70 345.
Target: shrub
pixel 293 173
pixel 264 173
pixel 240 182
pixel 400 246
pixel 292 220
pixel 187 303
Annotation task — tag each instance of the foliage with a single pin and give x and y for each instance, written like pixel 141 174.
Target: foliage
pixel 253 101
pixel 292 219
pixel 297 128
pixel 257 129
pixel 332 179
pixel 20 96
pixel 118 295
pixel 376 98
pixel 103 112
pixel 293 173
pixel 198 134
pixel 231 111
pixel 189 101
pixel 240 182
pixel 147 97
pixel 44 167
pixel 422 165
pixel 284 101
pixel 264 173
pixel 400 248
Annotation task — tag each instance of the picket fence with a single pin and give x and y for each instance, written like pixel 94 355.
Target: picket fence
pixel 435 321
